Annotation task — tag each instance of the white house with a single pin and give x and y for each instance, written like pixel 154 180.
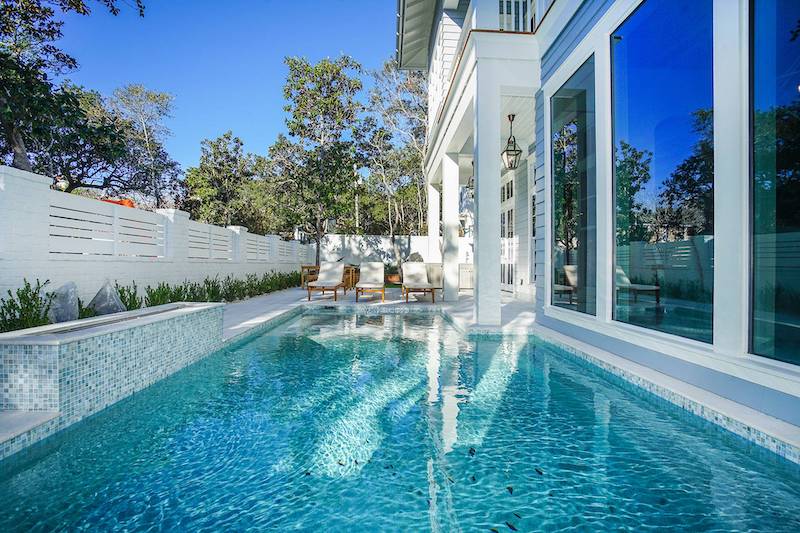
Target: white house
pixel 653 211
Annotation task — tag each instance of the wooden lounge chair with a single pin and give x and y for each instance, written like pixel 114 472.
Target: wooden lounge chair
pixel 624 284
pixel 571 275
pixel 415 279
pixel 371 280
pixel 330 278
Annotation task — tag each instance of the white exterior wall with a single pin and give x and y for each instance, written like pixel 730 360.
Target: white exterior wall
pixel 522 230
pixel 355 249
pixel 446 35
pixel 50 235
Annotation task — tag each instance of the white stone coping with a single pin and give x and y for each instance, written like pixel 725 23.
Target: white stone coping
pixel 75 330
pixel 15 423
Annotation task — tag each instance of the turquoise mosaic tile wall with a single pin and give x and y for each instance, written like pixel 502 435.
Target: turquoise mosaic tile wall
pixel 80 378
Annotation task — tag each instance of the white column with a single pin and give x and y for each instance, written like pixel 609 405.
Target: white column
pixel 450 226
pixel 486 152
pixel 604 183
pixel 434 251
pixel 731 178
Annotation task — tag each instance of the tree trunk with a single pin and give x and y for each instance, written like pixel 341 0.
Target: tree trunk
pixel 319 231
pixel 17 144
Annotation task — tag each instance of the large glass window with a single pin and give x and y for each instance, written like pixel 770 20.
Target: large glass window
pixel 573 188
pixel 662 99
pixel 776 179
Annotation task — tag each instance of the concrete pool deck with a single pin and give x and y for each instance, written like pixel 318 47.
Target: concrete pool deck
pixel 240 317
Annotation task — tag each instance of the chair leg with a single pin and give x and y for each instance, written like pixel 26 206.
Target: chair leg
pixel 406 295
pixel 309 294
pixel 433 296
pixel 335 294
pixel 356 294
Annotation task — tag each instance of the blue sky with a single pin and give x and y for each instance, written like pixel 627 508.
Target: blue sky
pixel 223 60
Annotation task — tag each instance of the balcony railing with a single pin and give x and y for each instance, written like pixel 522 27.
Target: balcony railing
pixel 517 15
pixel 513 15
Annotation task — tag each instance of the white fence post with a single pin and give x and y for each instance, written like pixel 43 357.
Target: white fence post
pixel 175 234
pixel 239 250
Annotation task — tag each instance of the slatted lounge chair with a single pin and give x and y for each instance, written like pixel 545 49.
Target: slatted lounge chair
pixel 624 284
pixel 415 279
pixel 571 275
pixel 371 279
pixel 330 278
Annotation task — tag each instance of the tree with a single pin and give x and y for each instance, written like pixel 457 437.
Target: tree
pixel 323 118
pixel 776 168
pixel 144 112
pixel 689 191
pixel 384 164
pixel 399 100
pixel 29 100
pixel 84 143
pixel 97 143
pixel 217 189
pixel 566 188
pixel 632 172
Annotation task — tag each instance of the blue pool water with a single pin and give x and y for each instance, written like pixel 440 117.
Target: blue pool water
pixel 336 422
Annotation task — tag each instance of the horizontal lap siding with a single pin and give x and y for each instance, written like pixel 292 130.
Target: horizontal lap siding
pixel 522 217
pixel 540 196
pixel 573 33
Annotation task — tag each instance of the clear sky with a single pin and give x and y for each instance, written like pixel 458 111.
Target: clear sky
pixel 223 59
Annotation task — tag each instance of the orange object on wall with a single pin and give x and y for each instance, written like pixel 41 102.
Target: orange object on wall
pixel 126 202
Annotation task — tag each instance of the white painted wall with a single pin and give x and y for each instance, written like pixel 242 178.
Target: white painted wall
pixel 50 235
pixel 355 249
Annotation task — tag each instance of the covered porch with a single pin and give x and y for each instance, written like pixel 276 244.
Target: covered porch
pixel 471 190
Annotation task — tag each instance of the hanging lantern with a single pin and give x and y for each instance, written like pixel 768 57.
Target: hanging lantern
pixel 512 153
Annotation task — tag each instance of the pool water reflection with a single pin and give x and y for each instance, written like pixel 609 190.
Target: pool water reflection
pixel 339 423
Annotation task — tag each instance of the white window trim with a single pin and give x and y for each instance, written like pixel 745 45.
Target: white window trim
pixel 729 353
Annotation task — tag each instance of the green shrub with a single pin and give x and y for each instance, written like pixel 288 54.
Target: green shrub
pixel 130 296
pixel 213 289
pixel 85 312
pixel 233 289
pixel 178 293
pixel 27 309
pixel 159 295
pixel 195 292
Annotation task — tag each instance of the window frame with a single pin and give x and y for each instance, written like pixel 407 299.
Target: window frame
pixel 729 352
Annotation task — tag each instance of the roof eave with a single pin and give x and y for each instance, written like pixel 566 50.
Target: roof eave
pixel 413 55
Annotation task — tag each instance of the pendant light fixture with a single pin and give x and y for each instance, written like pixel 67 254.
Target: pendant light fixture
pixel 512 152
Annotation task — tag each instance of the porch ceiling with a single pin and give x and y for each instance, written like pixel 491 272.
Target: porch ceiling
pixel 522 107
pixel 414 23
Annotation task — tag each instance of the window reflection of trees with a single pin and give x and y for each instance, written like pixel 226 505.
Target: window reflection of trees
pixel 566 186
pixel 685 203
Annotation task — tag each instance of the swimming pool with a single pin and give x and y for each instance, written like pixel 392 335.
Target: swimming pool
pixel 342 422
